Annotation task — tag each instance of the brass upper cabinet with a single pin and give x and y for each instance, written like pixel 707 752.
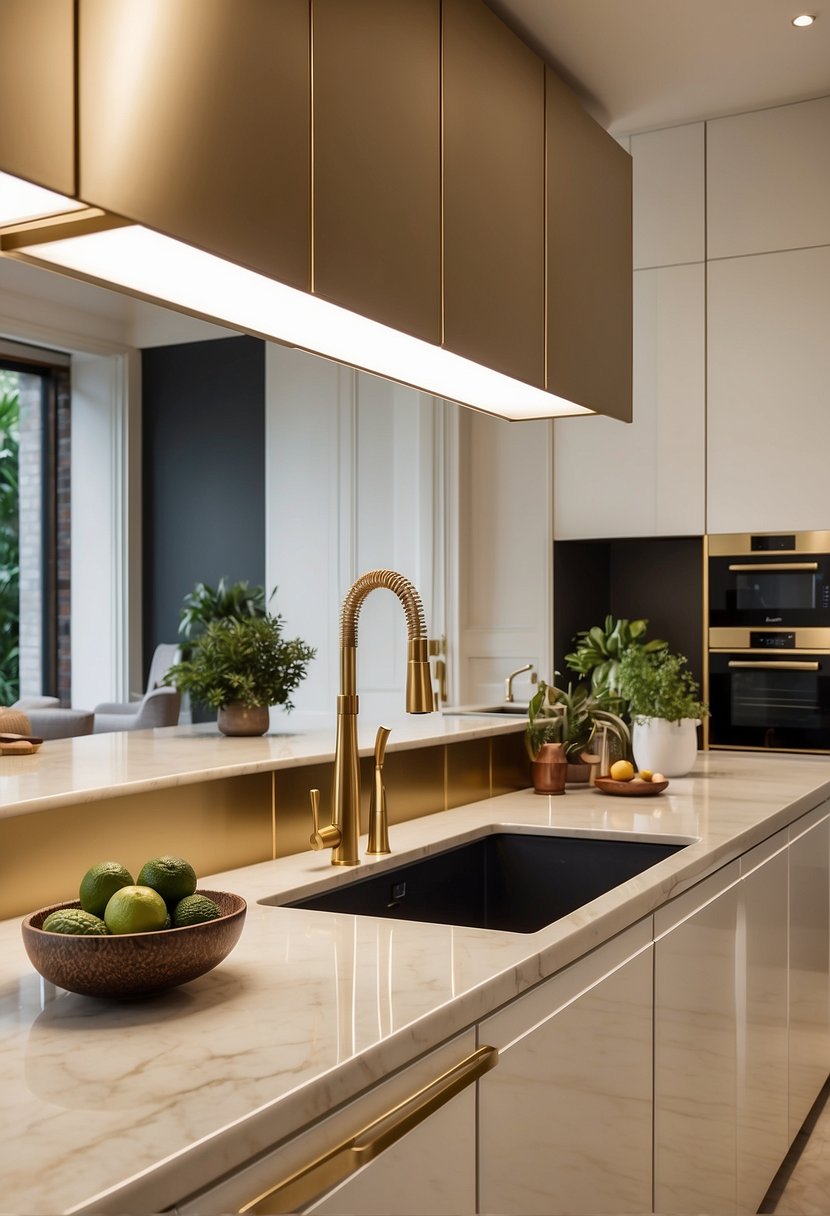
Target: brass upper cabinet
pixel 37 92
pixel 589 258
pixel 194 120
pixel 377 160
pixel 494 201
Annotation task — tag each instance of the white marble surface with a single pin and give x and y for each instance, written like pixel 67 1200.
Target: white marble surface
pixel 128 1107
pixel 64 771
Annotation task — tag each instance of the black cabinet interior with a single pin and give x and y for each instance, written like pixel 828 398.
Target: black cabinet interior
pixel 659 578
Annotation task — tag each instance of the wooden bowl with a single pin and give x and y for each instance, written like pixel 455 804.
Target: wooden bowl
pixel 133 964
pixel 630 789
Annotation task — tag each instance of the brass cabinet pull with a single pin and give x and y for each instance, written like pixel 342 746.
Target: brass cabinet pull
pixel 803 666
pixel 760 567
pixel 346 1158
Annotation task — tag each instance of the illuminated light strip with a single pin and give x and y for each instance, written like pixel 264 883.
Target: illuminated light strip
pixel 21 201
pixel 168 272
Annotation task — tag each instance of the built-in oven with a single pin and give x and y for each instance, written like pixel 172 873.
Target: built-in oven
pixel 768 648
pixel 772 579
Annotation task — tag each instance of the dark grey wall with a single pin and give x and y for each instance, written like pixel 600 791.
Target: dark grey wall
pixel 659 578
pixel 203 473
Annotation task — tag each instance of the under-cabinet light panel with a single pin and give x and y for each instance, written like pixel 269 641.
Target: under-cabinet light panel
pixel 21 201
pixel 166 271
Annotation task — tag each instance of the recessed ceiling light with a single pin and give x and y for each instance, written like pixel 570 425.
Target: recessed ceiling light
pixel 804 19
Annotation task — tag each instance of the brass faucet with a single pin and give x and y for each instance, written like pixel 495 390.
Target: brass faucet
pixel 508 683
pixel 341 835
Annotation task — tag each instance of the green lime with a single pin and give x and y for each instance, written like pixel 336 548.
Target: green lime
pixel 135 910
pixel 74 920
pixel 193 910
pixel 100 883
pixel 172 877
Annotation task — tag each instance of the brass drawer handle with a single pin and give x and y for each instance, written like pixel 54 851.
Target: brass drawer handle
pixel 760 567
pixel 803 666
pixel 346 1158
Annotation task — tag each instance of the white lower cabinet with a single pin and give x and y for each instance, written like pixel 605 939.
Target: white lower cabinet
pixel 695 1050
pixel 565 1118
pixel 429 1170
pixel 809 962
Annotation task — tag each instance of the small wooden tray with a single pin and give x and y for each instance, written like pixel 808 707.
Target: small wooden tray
pixel 630 789
pixel 18 745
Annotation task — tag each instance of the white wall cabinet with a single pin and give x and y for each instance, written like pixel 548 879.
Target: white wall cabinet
pixel 769 367
pixel 430 1170
pixel 762 948
pixel 768 180
pixel 645 478
pixel 695 1049
pixel 565 1118
pixel 809 1013
pixel 669 196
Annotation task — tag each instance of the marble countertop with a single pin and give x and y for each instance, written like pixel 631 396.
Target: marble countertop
pixel 128 1107
pixel 66 771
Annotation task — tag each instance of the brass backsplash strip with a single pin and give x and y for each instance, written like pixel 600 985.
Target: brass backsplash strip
pixel 216 825
pixel 468 772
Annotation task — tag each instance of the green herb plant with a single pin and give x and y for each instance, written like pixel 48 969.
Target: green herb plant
pixel 658 684
pixel 246 661
pixel 599 650
pixel 573 716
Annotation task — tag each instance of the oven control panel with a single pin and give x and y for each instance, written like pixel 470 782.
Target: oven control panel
pixel 780 640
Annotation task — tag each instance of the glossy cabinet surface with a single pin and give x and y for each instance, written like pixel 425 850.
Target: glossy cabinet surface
pixel 430 1170
pixel 809 1011
pixel 762 947
pixel 194 120
pixel 493 166
pixel 768 179
pixel 377 160
pixel 588 256
pixel 665 443
pixel 565 1118
pixel 695 1049
pixel 768 370
pixel 37 92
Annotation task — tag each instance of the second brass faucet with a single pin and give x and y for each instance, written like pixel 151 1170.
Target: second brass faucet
pixel 342 833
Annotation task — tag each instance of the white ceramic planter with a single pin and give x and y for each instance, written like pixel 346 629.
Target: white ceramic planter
pixel 665 747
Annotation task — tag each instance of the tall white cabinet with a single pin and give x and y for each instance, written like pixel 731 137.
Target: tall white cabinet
pixel 731 317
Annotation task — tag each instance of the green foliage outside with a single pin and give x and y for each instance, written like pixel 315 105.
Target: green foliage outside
pixel 242 660
pixel 9 539
pixel 659 684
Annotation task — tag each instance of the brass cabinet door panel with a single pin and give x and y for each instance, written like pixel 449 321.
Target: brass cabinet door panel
pixel 377 160
pixel 589 259
pixel 493 123
pixel 194 120
pixel 37 92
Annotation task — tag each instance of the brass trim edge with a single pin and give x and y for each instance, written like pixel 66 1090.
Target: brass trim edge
pixel 59 228
pixel 346 1158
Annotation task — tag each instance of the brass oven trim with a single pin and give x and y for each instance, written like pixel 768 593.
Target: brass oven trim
pixel 739 544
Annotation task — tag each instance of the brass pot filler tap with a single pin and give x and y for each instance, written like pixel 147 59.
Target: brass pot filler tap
pixel 342 833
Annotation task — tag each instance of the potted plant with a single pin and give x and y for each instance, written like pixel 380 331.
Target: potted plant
pixel 240 668
pixel 205 604
pixel 664 707
pixel 574 717
pixel 600 648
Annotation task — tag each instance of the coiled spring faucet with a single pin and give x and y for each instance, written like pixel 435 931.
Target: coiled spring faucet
pixel 341 835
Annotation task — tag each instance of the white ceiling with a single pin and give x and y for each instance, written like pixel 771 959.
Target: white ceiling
pixel 642 64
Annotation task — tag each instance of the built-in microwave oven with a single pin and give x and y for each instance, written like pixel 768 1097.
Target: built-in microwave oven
pixel 779 579
pixel 768 651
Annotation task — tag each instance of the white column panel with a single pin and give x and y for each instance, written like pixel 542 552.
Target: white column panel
pixel 645 478
pixel 505 552
pixel 100 530
pixel 768 179
pixel 669 203
pixel 768 369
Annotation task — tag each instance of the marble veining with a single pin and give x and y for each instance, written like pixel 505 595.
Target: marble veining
pixel 120 1107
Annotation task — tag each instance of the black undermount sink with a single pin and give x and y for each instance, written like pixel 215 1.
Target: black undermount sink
pixel 512 881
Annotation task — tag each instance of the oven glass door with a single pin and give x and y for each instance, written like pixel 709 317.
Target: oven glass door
pixel 769 590
pixel 761 700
